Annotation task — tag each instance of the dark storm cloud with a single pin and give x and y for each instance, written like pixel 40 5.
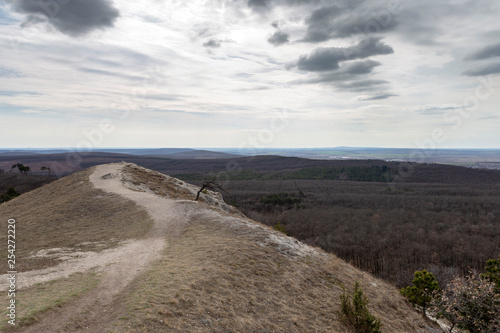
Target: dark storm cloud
pixel 279 38
pixel 74 17
pixel 489 51
pixel 487 69
pixel 327 59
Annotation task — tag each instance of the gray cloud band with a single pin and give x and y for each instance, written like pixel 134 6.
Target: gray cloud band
pixel 71 17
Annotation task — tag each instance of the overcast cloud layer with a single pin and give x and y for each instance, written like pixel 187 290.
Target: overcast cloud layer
pixel 266 73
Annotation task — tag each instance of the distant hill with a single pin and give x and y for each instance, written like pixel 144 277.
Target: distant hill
pixel 16 153
pixel 198 154
pixel 101 252
pixel 466 157
pixel 259 166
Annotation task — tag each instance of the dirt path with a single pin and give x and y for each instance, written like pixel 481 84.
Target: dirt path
pixel 120 266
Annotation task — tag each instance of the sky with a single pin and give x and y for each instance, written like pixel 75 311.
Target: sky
pixel 249 73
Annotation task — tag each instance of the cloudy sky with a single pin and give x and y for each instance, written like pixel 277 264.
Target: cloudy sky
pixel 235 73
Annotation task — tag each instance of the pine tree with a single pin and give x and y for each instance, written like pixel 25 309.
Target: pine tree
pixel 493 273
pixel 424 288
pixel 356 313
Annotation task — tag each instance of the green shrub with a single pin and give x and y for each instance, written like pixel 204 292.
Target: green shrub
pixel 280 227
pixel 355 312
pixel 493 273
pixel 9 195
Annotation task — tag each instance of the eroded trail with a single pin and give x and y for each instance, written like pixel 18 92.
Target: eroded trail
pixel 119 266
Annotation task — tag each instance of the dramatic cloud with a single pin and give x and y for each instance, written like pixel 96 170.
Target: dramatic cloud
pixel 74 18
pixel 351 18
pixel 327 59
pixel 326 62
pixel 486 69
pixel 489 51
pixel 279 38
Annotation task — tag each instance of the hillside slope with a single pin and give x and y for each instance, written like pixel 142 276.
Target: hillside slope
pixel 170 264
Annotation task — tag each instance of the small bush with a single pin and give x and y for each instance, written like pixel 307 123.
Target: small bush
pixel 280 227
pixel 355 313
pixel 9 195
pixel 470 304
pixel 493 273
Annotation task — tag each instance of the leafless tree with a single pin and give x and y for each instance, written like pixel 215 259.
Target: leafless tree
pixel 46 168
pixel 213 184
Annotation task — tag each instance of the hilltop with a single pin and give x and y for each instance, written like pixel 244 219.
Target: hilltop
pixel 121 248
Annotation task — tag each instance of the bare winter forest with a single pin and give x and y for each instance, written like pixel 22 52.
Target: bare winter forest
pixel 390 232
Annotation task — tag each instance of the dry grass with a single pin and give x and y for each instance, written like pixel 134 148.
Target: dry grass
pixel 69 213
pixel 220 277
pixel 158 183
pixel 33 302
pixel 143 179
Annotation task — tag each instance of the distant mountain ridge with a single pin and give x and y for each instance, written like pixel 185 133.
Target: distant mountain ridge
pixel 176 164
